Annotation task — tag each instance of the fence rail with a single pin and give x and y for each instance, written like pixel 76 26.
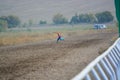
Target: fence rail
pixel 104 67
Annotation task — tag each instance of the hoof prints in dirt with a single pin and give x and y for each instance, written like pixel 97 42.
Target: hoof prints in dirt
pixel 84 43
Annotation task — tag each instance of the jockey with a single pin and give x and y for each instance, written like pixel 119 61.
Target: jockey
pixel 59 37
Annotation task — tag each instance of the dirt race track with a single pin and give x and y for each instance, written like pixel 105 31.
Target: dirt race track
pixel 51 61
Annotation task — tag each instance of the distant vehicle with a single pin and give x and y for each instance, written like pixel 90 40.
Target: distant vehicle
pixel 100 26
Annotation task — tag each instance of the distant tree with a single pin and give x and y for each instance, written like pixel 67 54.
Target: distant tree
pixel 74 19
pixel 87 18
pixel 43 22
pixel 83 18
pixel 59 19
pixel 30 22
pixel 92 18
pixel 24 25
pixel 4 18
pixel 104 17
pixel 3 25
pixel 13 21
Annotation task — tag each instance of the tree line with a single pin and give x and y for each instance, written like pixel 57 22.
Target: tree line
pixel 12 21
pixel 103 17
pixel 9 22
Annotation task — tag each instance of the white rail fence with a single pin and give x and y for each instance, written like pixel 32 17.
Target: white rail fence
pixel 104 67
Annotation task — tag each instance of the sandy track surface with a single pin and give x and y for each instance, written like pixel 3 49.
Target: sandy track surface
pixel 51 61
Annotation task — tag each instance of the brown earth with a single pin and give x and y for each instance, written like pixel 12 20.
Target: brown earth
pixel 49 60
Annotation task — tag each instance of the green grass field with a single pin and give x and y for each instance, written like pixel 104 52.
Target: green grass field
pixel 36 34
